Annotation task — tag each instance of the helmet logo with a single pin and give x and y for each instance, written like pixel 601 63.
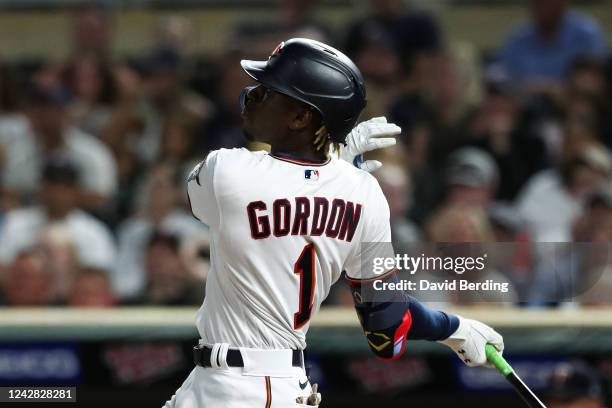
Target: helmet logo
pixel 277 50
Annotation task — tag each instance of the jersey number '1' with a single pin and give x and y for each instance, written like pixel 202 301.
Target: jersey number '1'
pixel 305 267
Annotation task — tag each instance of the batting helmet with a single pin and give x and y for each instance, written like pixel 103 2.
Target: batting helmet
pixel 318 75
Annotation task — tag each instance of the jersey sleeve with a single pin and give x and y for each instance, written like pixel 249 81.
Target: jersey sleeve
pixel 201 191
pixel 375 239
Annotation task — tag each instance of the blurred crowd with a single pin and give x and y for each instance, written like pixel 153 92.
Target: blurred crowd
pixel 505 145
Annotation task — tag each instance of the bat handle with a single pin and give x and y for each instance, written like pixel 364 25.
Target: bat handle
pixel 504 368
pixel 498 361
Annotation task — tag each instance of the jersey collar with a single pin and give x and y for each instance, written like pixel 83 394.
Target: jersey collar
pixel 296 160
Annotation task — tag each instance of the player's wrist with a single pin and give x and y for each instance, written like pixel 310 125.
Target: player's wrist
pixel 454 321
pixel 456 331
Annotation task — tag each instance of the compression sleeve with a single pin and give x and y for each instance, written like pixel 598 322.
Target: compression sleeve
pixel 428 324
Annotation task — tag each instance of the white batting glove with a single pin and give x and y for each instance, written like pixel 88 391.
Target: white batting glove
pixel 370 135
pixel 470 339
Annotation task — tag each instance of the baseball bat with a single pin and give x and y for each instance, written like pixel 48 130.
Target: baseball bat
pixel 507 371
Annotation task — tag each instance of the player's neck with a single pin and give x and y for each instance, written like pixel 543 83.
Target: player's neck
pixel 308 153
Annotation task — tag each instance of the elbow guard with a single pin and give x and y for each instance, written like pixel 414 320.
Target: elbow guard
pixel 385 317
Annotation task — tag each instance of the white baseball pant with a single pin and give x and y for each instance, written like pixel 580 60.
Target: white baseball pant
pixel 267 380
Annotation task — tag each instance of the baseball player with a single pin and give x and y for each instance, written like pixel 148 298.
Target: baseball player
pixel 285 225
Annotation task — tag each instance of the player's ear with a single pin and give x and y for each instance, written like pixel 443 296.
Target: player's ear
pixel 301 119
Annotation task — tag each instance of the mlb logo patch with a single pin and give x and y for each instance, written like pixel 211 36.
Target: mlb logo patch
pixel 312 175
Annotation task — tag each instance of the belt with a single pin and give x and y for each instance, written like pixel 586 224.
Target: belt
pixel 202 353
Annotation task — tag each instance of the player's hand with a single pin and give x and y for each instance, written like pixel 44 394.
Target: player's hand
pixel 370 135
pixel 470 339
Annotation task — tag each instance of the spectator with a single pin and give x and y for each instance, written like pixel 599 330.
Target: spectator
pixel 587 98
pixel 8 89
pixel 165 95
pixel 23 227
pixel 471 177
pixel 468 177
pixel 415 36
pixel 56 243
pixel 434 117
pixel 464 231
pixel 91 288
pixel 395 185
pixel 178 143
pixel 92 31
pixel 574 385
pixel 587 76
pixel 513 252
pixel 129 83
pixel 379 61
pixel 539 53
pixel 8 110
pixel 121 135
pixel 499 127
pixel 162 210
pixel 92 87
pixel 168 281
pixel 551 200
pixel 175 32
pixel 28 282
pixel 458 223
pixel 295 18
pixel 44 132
pixel 225 127
pixel 583 267
pixel 196 255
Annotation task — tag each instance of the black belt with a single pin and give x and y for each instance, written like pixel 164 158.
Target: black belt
pixel 201 357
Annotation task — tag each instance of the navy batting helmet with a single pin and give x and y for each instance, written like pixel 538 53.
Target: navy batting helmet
pixel 318 75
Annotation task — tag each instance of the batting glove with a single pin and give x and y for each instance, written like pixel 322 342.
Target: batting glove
pixel 470 339
pixel 370 135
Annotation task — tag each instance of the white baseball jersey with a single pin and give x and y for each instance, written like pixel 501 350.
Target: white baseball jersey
pixel 282 232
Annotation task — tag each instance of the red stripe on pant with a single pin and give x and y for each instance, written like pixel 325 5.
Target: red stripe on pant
pixel 268 393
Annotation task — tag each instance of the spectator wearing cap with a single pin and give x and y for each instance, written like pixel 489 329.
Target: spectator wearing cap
pixel 579 272
pixel 44 132
pixel 574 385
pixel 23 227
pixel 552 199
pixel 468 177
pixel 472 178
pixel 539 52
